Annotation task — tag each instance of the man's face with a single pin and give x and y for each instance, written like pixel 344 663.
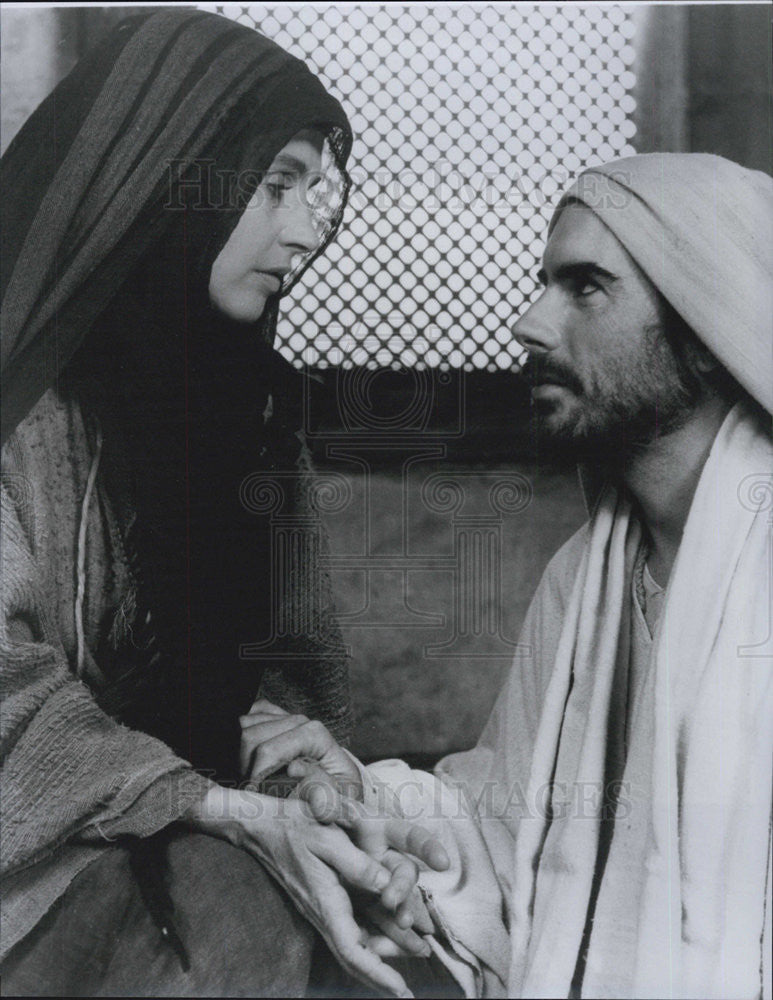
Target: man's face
pixel 604 378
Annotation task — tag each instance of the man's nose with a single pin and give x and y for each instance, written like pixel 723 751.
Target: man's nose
pixel 537 330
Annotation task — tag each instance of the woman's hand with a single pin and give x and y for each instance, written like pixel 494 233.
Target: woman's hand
pixel 310 861
pixel 330 783
pixel 271 739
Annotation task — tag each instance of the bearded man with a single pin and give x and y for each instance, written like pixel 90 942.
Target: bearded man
pixel 611 832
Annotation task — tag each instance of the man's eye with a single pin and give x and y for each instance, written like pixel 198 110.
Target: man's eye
pixel 585 288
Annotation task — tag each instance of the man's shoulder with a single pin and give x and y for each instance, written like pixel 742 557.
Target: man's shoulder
pixel 561 572
pixel 567 559
pixel 544 621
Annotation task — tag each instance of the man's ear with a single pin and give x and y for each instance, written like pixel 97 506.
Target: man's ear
pixel 702 358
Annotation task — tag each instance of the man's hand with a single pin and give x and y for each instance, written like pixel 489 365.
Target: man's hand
pixel 393 842
pixel 307 859
pixel 271 739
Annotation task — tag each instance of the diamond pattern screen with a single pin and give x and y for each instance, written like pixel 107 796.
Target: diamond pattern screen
pixel 468 122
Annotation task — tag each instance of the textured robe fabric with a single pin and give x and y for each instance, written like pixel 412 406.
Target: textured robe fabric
pixel 522 813
pixel 73 777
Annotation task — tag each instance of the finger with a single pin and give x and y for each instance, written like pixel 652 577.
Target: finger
pixel 261 706
pixel 385 947
pixel 410 838
pixel 367 966
pixel 410 911
pixel 350 943
pixel 260 729
pixel 405 874
pixel 404 914
pixel 310 739
pixel 352 864
pixel 302 768
pixel 376 836
pixel 422 921
pixel 350 946
pixel 353 815
pixel 406 939
pixel 255 734
pixel 328 774
pixel 318 791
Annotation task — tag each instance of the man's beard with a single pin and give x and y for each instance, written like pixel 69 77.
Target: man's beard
pixel 617 412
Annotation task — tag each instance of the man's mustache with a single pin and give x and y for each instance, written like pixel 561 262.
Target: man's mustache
pixel 539 370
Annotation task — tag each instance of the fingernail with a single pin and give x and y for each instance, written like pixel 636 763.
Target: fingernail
pixel 440 859
pixel 382 881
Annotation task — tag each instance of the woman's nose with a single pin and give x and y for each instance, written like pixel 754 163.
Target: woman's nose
pixel 299 232
pixel 537 330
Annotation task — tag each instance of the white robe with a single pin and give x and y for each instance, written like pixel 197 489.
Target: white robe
pixel 521 813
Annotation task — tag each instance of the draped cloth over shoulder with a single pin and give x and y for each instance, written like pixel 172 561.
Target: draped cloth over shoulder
pixel 108 177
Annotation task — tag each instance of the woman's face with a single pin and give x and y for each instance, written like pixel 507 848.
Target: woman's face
pixel 275 226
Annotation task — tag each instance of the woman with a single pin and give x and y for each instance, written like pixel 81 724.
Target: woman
pixel 195 170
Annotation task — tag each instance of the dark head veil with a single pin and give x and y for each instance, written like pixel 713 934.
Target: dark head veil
pixel 90 178
pixel 127 182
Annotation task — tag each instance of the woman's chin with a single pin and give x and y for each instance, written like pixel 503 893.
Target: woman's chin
pixel 242 309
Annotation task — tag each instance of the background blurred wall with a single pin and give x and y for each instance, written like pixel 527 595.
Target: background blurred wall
pixel 704 80
pixel 428 655
pixel 38 46
pixel 703 71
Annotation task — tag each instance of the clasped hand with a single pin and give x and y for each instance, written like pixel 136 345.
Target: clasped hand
pixel 389 916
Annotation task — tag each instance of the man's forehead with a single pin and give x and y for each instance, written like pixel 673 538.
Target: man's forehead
pixel 580 236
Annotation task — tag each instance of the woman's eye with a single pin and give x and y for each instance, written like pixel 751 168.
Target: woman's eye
pixel 277 186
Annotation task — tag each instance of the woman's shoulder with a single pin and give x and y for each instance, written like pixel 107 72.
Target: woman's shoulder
pixel 46 463
pixel 51 443
pixel 53 418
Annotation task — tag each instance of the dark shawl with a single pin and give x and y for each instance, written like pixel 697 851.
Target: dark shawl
pixel 104 296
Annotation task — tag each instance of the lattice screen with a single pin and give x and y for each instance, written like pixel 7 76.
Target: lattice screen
pixel 468 122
